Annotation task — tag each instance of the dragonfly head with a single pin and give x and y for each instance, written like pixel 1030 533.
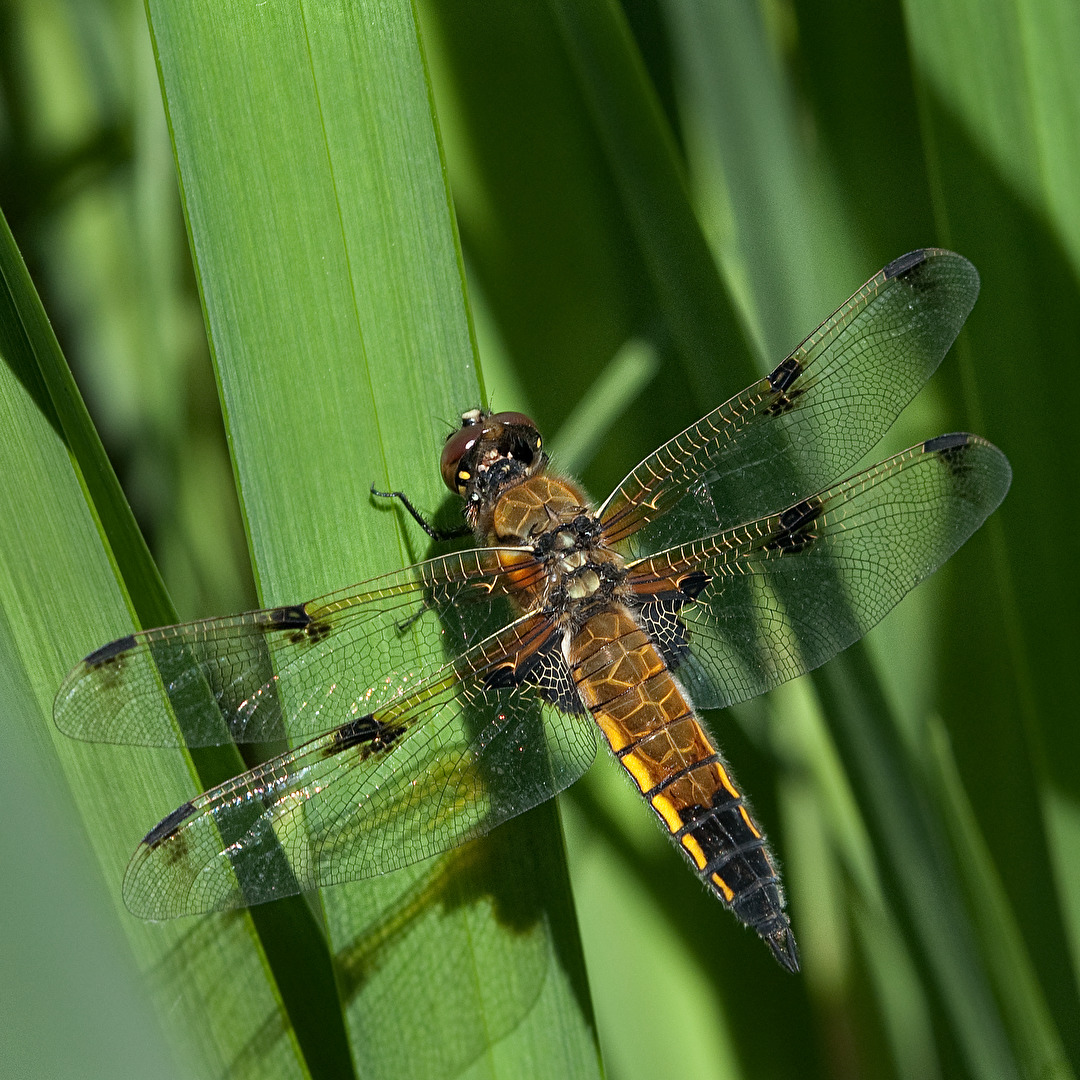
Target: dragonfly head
pixel 489 453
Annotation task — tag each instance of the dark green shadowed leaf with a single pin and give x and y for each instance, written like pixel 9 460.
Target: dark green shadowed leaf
pixel 914 862
pixel 1040 1049
pixel 1002 151
pixel 772 182
pixel 642 156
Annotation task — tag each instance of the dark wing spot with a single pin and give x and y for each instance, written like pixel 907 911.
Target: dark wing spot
pixel 660 620
pixel 503 678
pixel 785 374
pixel 372 735
pixel 950 449
pixel 795 532
pixel 110 651
pixel 556 685
pixel 946 442
pixel 547 671
pixel 388 737
pixel 314 631
pixel 659 617
pixel 292 617
pixel 781 380
pixel 693 584
pixel 168 826
pixel 905 263
pixel 391 733
pixel 361 730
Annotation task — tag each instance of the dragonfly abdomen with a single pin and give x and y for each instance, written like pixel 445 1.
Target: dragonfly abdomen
pixel 651 726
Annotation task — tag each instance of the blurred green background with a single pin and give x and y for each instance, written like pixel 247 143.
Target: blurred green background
pixel 655 202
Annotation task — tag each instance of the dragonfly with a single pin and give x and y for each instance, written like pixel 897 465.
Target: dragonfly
pixel 429 705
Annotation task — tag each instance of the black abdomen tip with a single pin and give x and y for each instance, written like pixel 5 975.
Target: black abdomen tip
pixel 782 943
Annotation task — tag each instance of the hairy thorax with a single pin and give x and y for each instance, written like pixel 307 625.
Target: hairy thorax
pixel 552 520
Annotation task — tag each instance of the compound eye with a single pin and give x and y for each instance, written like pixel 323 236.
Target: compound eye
pixel 457 446
pixel 511 419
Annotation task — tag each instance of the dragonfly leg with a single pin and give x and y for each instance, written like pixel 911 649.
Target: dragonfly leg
pixel 438 535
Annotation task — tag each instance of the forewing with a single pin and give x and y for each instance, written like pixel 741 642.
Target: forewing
pixel 811 419
pixel 457 755
pixel 762 603
pixel 298 670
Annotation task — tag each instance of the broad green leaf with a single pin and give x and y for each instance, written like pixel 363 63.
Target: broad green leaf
pixel 330 275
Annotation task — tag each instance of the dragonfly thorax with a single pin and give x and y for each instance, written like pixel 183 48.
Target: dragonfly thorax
pixel 549 517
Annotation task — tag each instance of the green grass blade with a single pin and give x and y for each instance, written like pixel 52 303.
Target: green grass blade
pixel 641 153
pixel 914 862
pixel 73 1001
pixel 768 213
pixel 1039 1046
pixel 62 598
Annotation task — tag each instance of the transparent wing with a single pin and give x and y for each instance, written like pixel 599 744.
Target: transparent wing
pixel 298 670
pixel 749 608
pixel 463 751
pixel 811 419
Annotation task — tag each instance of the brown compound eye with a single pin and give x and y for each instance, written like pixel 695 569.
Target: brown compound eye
pixel 512 433
pixel 511 418
pixel 457 446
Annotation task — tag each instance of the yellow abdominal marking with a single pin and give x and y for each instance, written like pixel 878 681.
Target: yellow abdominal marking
pixel 749 824
pixel 724 887
pixel 666 809
pixel 729 787
pixel 694 848
pixel 614 734
pixel 639 771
